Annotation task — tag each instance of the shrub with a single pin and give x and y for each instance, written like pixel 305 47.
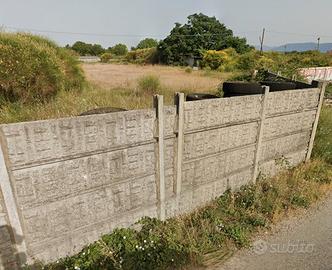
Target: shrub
pixel 188 70
pixel 119 49
pixel 143 56
pixel 32 67
pixel 149 84
pixel 224 60
pixel 105 57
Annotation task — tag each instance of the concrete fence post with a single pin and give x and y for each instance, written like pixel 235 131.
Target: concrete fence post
pixel 322 87
pixel 260 133
pixel 11 207
pixel 179 102
pixel 159 106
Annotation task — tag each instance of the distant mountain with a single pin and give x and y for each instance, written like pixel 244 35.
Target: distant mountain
pixel 299 47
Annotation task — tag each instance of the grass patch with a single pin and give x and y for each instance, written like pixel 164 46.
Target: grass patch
pixel 73 103
pixel 329 90
pixel 227 223
pixel 148 85
pixel 323 141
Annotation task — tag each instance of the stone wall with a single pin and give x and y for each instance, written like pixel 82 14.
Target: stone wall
pixel 68 181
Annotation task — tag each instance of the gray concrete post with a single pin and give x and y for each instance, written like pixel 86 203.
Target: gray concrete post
pixel 179 102
pixel 315 126
pixel 159 106
pixel 260 133
pixel 11 207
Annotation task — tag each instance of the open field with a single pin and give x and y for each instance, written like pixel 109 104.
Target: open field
pixel 113 85
pixel 117 76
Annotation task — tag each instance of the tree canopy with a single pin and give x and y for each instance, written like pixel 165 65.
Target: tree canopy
pixel 119 49
pixel 147 43
pixel 200 33
pixel 83 48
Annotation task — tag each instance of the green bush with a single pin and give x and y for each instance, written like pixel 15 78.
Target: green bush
pixel 105 57
pixel 143 56
pixel 147 43
pixel 224 60
pixel 188 70
pixel 32 67
pixel 149 84
pixel 119 49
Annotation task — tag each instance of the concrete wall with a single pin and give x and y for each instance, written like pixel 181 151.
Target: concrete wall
pixel 68 181
pixel 317 73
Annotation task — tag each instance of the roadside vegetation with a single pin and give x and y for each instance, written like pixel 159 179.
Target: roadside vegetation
pixel 34 68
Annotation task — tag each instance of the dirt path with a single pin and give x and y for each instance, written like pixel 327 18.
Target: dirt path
pixel 302 242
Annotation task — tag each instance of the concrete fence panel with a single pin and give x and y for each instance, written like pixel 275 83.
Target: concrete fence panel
pixel 66 182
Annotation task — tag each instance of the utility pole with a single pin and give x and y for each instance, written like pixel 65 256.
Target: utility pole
pixel 261 39
pixel 318 44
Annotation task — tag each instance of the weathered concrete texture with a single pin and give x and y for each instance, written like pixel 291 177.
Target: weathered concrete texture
pixel 200 115
pixel 8 252
pixel 35 143
pixel 75 179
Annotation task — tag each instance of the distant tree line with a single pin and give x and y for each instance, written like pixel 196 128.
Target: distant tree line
pixel 190 40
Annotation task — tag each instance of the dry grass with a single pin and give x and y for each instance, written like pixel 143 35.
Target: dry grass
pixel 112 85
pixel 175 79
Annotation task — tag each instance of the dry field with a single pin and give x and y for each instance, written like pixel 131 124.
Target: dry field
pixel 120 76
pixel 115 85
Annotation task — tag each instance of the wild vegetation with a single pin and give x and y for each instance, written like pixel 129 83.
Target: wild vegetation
pixel 114 86
pixel 147 43
pixel 35 68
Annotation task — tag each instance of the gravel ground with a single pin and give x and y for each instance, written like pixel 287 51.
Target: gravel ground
pixel 301 242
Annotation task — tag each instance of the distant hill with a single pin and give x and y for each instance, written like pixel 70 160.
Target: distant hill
pixel 299 47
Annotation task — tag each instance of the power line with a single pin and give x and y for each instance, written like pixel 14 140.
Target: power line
pixel 106 34
pixel 149 35
pixel 75 33
pixel 297 34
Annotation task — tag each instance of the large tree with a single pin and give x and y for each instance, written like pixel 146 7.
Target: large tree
pixel 147 43
pixel 200 33
pixel 119 49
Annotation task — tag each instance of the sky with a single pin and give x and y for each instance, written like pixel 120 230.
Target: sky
pixel 109 22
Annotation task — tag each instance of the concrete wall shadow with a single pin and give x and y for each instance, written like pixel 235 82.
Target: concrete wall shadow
pixel 9 256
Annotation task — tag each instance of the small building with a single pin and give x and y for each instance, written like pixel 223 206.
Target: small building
pixel 89 59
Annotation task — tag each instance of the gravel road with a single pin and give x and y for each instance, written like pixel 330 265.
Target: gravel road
pixel 302 242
